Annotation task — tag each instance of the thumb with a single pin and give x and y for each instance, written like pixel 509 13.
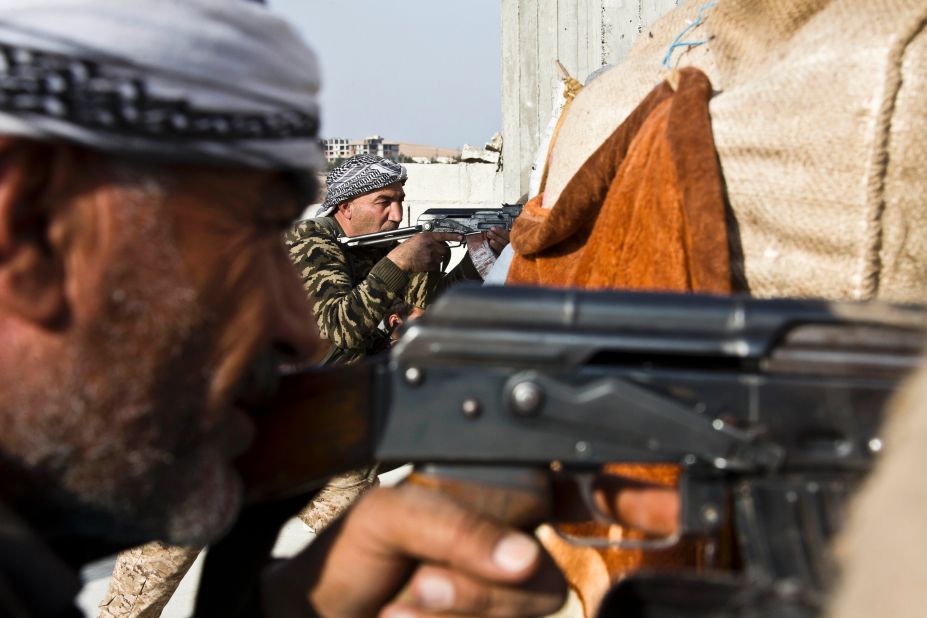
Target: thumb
pixel 389 531
pixel 425 525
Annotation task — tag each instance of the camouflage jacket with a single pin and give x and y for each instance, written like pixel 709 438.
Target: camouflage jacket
pixel 352 288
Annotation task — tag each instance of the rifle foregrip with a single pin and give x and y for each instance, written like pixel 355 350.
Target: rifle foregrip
pixel 518 497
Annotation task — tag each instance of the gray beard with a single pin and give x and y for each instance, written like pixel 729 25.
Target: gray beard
pixel 107 433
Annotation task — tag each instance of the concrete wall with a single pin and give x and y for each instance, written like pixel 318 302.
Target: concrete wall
pixel 461 185
pixel 584 35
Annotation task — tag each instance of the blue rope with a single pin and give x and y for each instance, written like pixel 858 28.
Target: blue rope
pixel 678 42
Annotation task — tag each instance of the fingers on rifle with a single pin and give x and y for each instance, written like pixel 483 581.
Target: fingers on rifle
pixel 499 233
pixel 430 527
pixel 653 510
pixel 436 590
pixel 498 238
pixel 649 508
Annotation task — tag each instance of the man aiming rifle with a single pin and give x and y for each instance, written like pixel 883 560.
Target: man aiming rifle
pixel 352 287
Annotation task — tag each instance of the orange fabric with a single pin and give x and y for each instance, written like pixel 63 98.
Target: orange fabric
pixel 645 212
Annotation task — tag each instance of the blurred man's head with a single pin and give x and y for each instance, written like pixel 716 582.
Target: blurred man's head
pixel 365 195
pixel 398 317
pixel 140 303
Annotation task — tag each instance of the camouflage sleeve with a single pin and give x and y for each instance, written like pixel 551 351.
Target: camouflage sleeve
pixel 347 315
pixel 424 288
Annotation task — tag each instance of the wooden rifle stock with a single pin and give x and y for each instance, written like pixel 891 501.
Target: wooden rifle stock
pixel 320 422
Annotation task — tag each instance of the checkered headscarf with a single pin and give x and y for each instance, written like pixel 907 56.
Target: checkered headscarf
pixel 359 175
pixel 187 81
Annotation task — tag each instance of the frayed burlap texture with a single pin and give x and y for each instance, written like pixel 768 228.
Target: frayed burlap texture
pixel 818 122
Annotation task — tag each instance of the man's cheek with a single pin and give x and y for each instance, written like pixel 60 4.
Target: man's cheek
pixel 227 268
pixel 211 247
pixel 230 291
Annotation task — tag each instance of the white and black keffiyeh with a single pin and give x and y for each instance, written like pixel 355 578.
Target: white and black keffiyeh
pixel 359 175
pixel 198 81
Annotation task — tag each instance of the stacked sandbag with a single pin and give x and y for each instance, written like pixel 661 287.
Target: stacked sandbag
pixel 819 123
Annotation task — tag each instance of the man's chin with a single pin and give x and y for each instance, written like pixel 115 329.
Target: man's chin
pixel 193 502
pixel 206 504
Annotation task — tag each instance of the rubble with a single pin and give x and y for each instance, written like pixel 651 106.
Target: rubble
pixel 472 154
pixel 495 143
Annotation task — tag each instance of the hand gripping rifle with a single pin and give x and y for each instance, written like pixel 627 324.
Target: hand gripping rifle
pixel 463 221
pixel 771 407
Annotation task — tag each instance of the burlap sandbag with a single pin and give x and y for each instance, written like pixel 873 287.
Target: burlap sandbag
pixel 821 128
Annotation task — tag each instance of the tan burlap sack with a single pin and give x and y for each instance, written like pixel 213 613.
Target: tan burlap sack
pixel 821 127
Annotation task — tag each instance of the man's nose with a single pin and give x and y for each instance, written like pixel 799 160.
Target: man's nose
pixel 395 212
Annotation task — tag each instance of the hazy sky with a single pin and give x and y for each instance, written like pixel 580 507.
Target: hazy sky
pixel 416 71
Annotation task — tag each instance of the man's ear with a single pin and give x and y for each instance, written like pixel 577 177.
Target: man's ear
pixel 393 321
pixel 31 270
pixel 343 216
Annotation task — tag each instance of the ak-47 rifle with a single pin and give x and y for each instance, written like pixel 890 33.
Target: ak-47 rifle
pixel 464 221
pixel 771 407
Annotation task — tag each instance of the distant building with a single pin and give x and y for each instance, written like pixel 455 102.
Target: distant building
pixel 376 145
pixel 337 148
pixel 343 148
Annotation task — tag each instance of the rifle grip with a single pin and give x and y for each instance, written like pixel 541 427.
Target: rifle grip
pixel 517 497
